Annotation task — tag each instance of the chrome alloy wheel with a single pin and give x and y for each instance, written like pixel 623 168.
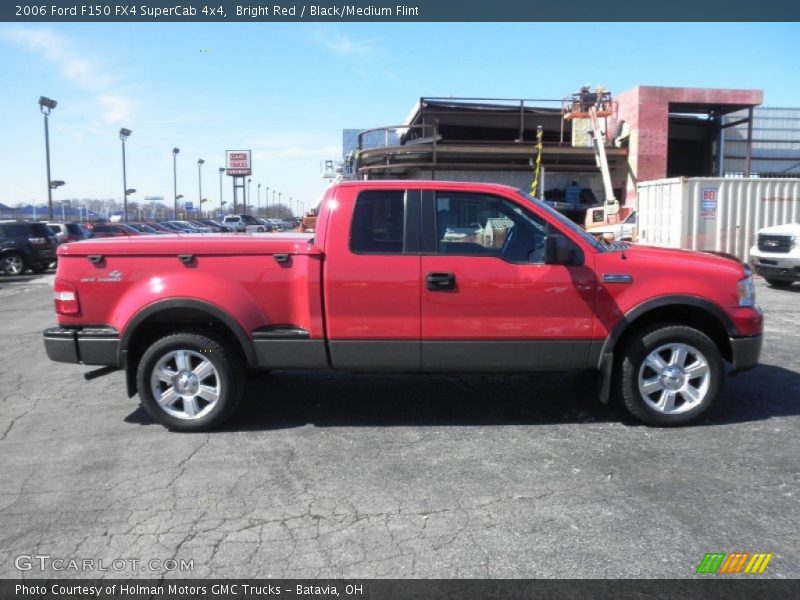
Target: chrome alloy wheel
pixel 674 378
pixel 13 265
pixel 185 384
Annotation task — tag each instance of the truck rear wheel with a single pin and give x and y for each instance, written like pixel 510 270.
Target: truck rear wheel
pixel 670 375
pixel 189 382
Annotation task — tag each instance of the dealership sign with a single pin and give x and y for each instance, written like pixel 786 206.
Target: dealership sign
pixel 237 163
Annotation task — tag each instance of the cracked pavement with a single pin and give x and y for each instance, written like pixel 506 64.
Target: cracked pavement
pixel 344 475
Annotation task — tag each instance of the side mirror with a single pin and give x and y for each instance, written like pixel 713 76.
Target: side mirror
pixel 557 250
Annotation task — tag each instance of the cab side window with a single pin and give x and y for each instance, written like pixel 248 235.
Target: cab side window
pixel 378 222
pixel 483 225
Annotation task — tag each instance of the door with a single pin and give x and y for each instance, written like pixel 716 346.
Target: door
pixel 489 302
pixel 372 281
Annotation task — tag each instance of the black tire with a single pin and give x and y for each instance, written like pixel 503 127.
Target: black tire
pixel 630 366
pixel 260 230
pixel 12 263
pixel 229 377
pixel 779 283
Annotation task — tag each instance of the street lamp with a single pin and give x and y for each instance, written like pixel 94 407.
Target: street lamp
pixel 175 181
pixel 258 202
pixel 249 179
pixel 221 202
pixel 45 106
pixel 123 135
pixel 266 202
pixel 200 163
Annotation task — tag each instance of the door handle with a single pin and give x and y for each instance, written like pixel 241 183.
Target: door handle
pixel 438 282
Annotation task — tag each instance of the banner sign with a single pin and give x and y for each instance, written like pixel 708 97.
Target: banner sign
pixel 237 163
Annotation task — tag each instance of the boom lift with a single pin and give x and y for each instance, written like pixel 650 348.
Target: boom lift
pixel 587 104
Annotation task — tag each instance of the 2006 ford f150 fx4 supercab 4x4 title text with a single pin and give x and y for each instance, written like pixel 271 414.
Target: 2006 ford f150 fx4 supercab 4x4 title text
pixel 405 276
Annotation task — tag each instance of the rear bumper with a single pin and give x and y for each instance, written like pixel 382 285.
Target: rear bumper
pixel 88 345
pixel 745 352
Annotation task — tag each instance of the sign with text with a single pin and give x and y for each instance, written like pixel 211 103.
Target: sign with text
pixel 237 163
pixel 708 204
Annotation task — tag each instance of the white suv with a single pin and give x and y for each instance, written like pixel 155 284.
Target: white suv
pixel 776 255
pixel 246 223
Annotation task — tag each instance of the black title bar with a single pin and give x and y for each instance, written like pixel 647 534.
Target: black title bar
pixel 158 11
pixel 706 588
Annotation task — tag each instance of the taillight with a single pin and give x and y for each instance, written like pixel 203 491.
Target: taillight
pixel 66 298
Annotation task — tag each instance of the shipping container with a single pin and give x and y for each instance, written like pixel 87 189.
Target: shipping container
pixel 711 213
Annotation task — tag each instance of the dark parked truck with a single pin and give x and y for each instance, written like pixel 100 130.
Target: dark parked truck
pixel 406 276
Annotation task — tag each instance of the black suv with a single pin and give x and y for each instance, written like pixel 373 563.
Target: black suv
pixel 26 246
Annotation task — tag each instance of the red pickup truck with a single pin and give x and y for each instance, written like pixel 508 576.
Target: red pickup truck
pixel 406 276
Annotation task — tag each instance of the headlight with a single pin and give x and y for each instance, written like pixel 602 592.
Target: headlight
pixel 746 292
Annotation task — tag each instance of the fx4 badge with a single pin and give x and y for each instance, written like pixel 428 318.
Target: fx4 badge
pixel 114 276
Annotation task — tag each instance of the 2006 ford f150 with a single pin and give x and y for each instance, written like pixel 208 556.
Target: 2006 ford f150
pixel 405 276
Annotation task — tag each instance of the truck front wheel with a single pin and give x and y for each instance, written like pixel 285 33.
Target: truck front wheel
pixel 670 374
pixel 189 382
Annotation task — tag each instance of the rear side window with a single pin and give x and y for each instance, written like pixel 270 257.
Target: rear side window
pixel 56 227
pixel 15 229
pixel 378 222
pixel 75 229
pixel 40 230
pixel 101 229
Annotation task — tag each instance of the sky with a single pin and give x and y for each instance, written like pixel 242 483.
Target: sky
pixel 286 91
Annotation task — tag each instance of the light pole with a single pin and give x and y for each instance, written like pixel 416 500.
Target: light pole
pixel 46 105
pixel 200 163
pixel 258 201
pixel 175 181
pixel 279 198
pixel 249 179
pixel 266 202
pixel 290 206
pixel 274 213
pixel 178 197
pixel 123 135
pixel 221 201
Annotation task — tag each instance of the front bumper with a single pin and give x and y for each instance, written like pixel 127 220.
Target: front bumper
pixel 772 272
pixel 745 352
pixel 87 345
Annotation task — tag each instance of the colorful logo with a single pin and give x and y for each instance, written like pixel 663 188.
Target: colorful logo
pixel 736 562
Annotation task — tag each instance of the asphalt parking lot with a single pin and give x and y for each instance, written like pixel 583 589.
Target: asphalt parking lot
pixel 340 475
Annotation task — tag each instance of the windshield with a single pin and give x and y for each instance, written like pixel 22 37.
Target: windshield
pixel 571 225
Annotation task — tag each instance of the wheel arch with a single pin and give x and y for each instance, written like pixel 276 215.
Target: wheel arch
pixel 699 313
pixel 175 315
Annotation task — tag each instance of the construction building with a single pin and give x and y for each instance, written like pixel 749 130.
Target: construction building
pixel 647 133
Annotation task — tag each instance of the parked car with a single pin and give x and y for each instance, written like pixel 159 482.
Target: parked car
pixel 160 227
pixel 537 294
pixel 188 227
pixel 68 232
pixel 243 223
pixel 25 245
pixel 104 230
pixel 624 231
pixel 776 254
pixel 223 227
pixel 218 227
pixel 145 228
